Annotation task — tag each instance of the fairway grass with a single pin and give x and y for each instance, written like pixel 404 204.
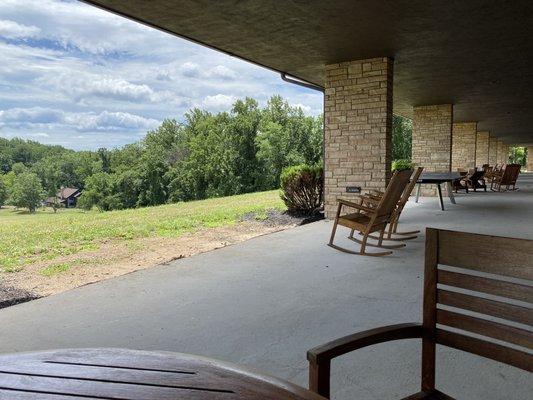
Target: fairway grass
pixel 30 238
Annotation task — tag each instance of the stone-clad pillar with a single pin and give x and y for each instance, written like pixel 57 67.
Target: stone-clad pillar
pixel 503 152
pixel 493 150
pixel 482 149
pixel 432 139
pixel 464 145
pixel 358 128
pixel 529 159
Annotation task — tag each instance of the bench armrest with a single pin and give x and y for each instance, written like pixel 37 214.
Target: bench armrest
pixel 320 357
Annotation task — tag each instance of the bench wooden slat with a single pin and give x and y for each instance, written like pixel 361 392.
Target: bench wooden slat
pixel 480 305
pixel 495 287
pixel 507 355
pixel 495 330
pixel 491 254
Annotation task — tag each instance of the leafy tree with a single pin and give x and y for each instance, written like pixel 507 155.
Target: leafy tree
pixel 27 191
pixel 402 134
pixel 19 168
pixel 100 193
pixel 3 192
pixel 287 137
pixel 518 155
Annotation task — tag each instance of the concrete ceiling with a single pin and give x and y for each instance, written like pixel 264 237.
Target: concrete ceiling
pixel 475 54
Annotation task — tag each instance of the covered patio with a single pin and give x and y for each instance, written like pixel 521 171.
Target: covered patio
pixel 263 303
pixel 460 71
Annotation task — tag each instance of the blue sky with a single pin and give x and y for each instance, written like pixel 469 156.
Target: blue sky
pixel 77 76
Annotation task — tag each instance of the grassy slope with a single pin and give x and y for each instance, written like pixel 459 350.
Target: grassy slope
pixel 26 238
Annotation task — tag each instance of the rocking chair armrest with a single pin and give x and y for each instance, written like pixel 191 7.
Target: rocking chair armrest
pixel 346 344
pixel 371 199
pixel 355 205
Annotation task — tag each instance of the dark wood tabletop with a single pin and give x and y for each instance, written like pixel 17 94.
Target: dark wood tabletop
pixel 438 177
pixel 119 374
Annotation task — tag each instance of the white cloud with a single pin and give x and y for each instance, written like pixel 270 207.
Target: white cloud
pixel 222 72
pixel 104 121
pixel 13 30
pixel 110 121
pixel 32 115
pixel 218 102
pixel 39 135
pixel 190 70
pixel 111 79
pixel 305 108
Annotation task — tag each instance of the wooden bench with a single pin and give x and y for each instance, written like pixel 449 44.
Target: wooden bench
pixel 465 273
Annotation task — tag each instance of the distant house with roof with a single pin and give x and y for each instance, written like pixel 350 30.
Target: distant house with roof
pixel 66 196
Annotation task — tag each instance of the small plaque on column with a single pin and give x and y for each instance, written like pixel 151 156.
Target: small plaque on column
pixel 353 189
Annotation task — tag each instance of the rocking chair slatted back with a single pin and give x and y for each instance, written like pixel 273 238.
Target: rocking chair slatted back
pixel 510 174
pixel 409 189
pixel 479 304
pixel 507 178
pixel 395 188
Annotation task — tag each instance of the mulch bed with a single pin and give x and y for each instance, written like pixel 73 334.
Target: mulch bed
pixel 9 296
pixel 275 218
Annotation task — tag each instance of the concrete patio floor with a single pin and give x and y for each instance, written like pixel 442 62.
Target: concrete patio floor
pixel 264 302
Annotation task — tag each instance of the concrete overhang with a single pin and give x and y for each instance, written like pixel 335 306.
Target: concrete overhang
pixel 475 54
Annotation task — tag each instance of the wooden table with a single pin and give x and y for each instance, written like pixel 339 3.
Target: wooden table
pixel 135 375
pixel 438 178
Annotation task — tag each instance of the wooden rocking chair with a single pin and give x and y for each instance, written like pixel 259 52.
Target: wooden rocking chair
pixel 373 200
pixel 367 220
pixel 507 178
pixel 465 292
pixel 476 180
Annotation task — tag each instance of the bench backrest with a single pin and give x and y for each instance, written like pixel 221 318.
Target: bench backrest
pixel 478 297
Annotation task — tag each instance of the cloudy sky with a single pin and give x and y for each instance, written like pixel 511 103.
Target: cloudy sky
pixel 77 76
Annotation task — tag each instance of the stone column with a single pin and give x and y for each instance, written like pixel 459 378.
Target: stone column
pixel 503 152
pixel 464 145
pixel 432 140
pixel 482 149
pixel 493 150
pixel 529 159
pixel 358 128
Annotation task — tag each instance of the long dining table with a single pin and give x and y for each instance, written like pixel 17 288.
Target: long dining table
pixel 438 178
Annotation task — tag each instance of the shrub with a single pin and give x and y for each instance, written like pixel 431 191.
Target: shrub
pixel 402 164
pixel 301 188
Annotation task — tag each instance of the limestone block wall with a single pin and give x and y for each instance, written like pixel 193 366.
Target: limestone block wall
pixel 358 128
pixel 503 152
pixel 482 148
pixel 493 150
pixel 529 159
pixel 464 145
pixel 432 140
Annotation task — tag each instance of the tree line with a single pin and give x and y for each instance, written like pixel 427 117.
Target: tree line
pixel 207 155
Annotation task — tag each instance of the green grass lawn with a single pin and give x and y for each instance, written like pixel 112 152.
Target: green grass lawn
pixel 28 238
